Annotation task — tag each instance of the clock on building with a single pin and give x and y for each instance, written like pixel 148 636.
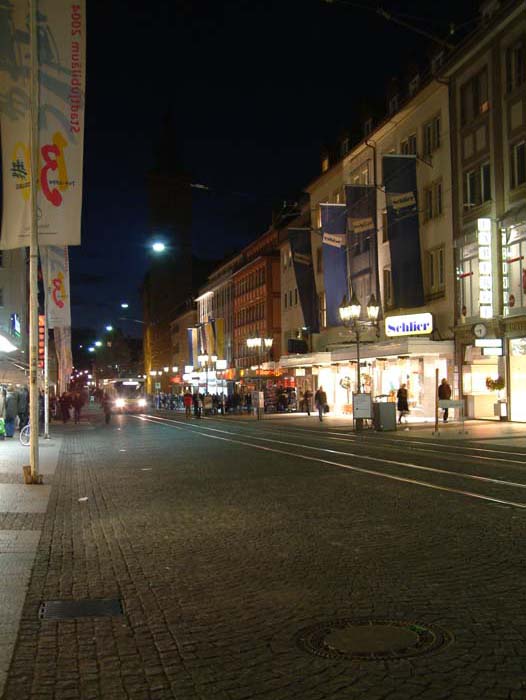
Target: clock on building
pixel 480 330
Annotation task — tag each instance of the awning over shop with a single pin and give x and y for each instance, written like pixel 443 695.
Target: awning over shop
pixel 394 348
pixel 13 370
pixel 514 216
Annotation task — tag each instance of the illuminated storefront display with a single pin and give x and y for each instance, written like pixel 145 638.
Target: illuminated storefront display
pixel 485 269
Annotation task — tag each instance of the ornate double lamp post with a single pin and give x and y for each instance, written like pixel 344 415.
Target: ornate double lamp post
pixel 350 313
pixel 260 344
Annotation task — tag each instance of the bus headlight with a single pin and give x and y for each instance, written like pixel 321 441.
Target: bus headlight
pixel 142 403
pixel 120 403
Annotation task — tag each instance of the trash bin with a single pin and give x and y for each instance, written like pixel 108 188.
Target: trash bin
pixel 384 413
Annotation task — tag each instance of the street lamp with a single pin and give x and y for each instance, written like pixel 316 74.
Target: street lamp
pixel 158 247
pixel 109 328
pixel 350 313
pixel 259 343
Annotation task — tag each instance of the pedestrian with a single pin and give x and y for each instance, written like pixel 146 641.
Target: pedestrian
pixel 65 404
pixel 401 402
pixel 78 402
pixel 11 410
pixel 307 396
pixel 106 407
pixel 23 407
pixel 320 400
pixel 196 402
pixel 444 394
pixel 187 401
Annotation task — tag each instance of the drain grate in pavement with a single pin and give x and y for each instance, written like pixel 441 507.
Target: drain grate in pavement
pixel 70 609
pixel 371 639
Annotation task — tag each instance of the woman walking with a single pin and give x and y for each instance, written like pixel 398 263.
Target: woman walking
pixel 401 402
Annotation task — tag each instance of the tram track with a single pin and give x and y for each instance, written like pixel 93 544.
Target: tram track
pixel 384 467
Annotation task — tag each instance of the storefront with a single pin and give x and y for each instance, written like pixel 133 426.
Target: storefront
pixel 384 367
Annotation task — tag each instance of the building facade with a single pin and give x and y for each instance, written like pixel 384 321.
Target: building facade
pixel 487 81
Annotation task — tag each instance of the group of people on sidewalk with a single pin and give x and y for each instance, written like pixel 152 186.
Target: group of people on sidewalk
pixel 402 404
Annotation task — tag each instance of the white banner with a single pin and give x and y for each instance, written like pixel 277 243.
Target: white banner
pixel 61 41
pixel 55 270
pixel 62 338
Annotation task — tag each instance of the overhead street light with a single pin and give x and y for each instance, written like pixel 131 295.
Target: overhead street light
pixel 158 247
pixel 350 312
pixel 124 305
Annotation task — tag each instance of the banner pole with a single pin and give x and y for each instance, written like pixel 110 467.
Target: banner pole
pixel 33 249
pixel 46 377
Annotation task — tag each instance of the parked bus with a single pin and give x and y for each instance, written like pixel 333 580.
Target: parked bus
pixel 126 395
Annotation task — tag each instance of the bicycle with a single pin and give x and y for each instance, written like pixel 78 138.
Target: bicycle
pixel 25 435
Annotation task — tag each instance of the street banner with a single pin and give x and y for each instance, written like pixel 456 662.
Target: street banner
pixel 333 224
pixel 219 330
pixel 55 267
pixel 301 249
pixel 61 81
pixel 404 236
pixel 362 237
pixel 193 351
pixel 62 337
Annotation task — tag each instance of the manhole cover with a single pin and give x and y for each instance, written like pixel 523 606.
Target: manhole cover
pixel 69 609
pixel 368 639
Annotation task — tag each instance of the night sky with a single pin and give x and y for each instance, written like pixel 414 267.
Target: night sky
pixel 256 89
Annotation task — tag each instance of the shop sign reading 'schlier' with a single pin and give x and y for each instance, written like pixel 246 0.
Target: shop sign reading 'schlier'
pixel 410 324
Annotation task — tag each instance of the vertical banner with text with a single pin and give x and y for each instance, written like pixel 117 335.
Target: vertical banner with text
pixel 61 84
pixel 404 230
pixel 301 249
pixel 334 226
pixel 55 266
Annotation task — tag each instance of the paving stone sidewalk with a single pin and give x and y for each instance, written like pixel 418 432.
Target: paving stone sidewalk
pixel 222 555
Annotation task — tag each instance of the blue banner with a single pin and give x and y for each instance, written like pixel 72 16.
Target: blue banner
pixel 403 230
pixel 333 225
pixel 362 238
pixel 301 249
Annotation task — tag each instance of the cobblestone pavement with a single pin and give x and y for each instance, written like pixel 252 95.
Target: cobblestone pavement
pixel 223 551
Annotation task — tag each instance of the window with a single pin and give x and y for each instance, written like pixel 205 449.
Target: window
pixel 468 276
pixel 518 164
pixel 367 126
pixel 414 84
pixel 388 287
pixel 1 258
pixel 296 297
pixel 344 147
pixel 437 61
pixel 393 105
pixel 385 231
pixel 322 310
pixel 433 201
pixel 515 65
pixel 431 136
pixel 1 297
pixel 436 272
pixel 285 299
pixel 515 282
pixel 319 260
pixel 290 297
pixel 474 97
pixel 477 186
pixel 408 146
pixel 324 164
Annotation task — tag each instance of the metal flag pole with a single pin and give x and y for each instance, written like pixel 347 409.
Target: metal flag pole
pixel 46 375
pixel 33 249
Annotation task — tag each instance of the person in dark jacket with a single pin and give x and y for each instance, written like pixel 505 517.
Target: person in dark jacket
pixel 320 399
pixel 23 407
pixel 11 410
pixel 444 394
pixel 401 402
